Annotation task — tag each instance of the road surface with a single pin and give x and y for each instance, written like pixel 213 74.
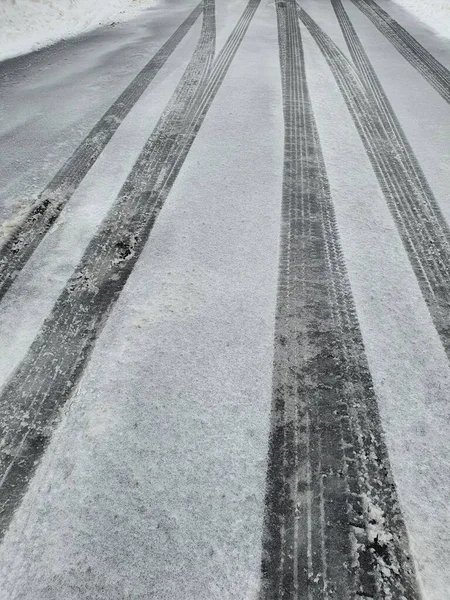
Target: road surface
pixel 225 307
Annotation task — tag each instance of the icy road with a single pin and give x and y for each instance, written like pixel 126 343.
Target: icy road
pixel 225 307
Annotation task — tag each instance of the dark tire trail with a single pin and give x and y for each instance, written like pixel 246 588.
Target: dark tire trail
pixel 31 400
pixel 370 79
pixel 333 527
pixel 55 361
pixel 421 225
pixel 428 66
pixel 18 248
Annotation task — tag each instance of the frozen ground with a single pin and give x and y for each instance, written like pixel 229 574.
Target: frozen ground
pixel 152 484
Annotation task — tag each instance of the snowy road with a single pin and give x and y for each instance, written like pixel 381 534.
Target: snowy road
pixel 225 307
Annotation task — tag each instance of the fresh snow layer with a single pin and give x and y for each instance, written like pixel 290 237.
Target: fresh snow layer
pixel 26 25
pixel 434 13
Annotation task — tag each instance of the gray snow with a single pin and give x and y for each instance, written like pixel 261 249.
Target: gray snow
pixel 43 278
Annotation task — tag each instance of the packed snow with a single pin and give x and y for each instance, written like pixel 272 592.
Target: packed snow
pixel 434 13
pixel 27 25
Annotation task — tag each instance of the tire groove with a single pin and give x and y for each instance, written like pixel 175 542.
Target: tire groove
pixel 56 359
pixel 433 225
pixel 39 388
pixel 24 240
pixel 327 467
pixel 370 79
pixel 354 91
pixel 419 220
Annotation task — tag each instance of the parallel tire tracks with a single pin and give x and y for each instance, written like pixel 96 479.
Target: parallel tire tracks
pixel 370 79
pixel 30 401
pixel 25 239
pixel 419 220
pixel 430 68
pixel 333 527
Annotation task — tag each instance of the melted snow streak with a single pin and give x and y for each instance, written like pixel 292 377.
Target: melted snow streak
pixel 430 68
pixel 333 527
pixel 422 227
pixel 31 400
pixel 26 237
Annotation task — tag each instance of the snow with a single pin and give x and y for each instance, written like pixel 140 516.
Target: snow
pixel 434 13
pixel 9 226
pixel 410 371
pixel 153 486
pixel 26 25
pixel 155 479
pixel 46 273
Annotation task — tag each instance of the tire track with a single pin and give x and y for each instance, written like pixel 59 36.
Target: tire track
pixel 430 68
pixel 30 401
pixel 333 528
pixel 18 248
pixel 420 223
pixel 371 81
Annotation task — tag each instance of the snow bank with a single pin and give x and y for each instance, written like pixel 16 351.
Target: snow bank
pixel 434 13
pixel 27 25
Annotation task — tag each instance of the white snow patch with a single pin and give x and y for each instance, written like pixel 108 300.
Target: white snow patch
pixel 434 13
pixel 9 226
pixel 26 25
pixel 376 524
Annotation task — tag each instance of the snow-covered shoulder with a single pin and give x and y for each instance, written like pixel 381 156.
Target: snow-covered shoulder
pixel 434 13
pixel 26 25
